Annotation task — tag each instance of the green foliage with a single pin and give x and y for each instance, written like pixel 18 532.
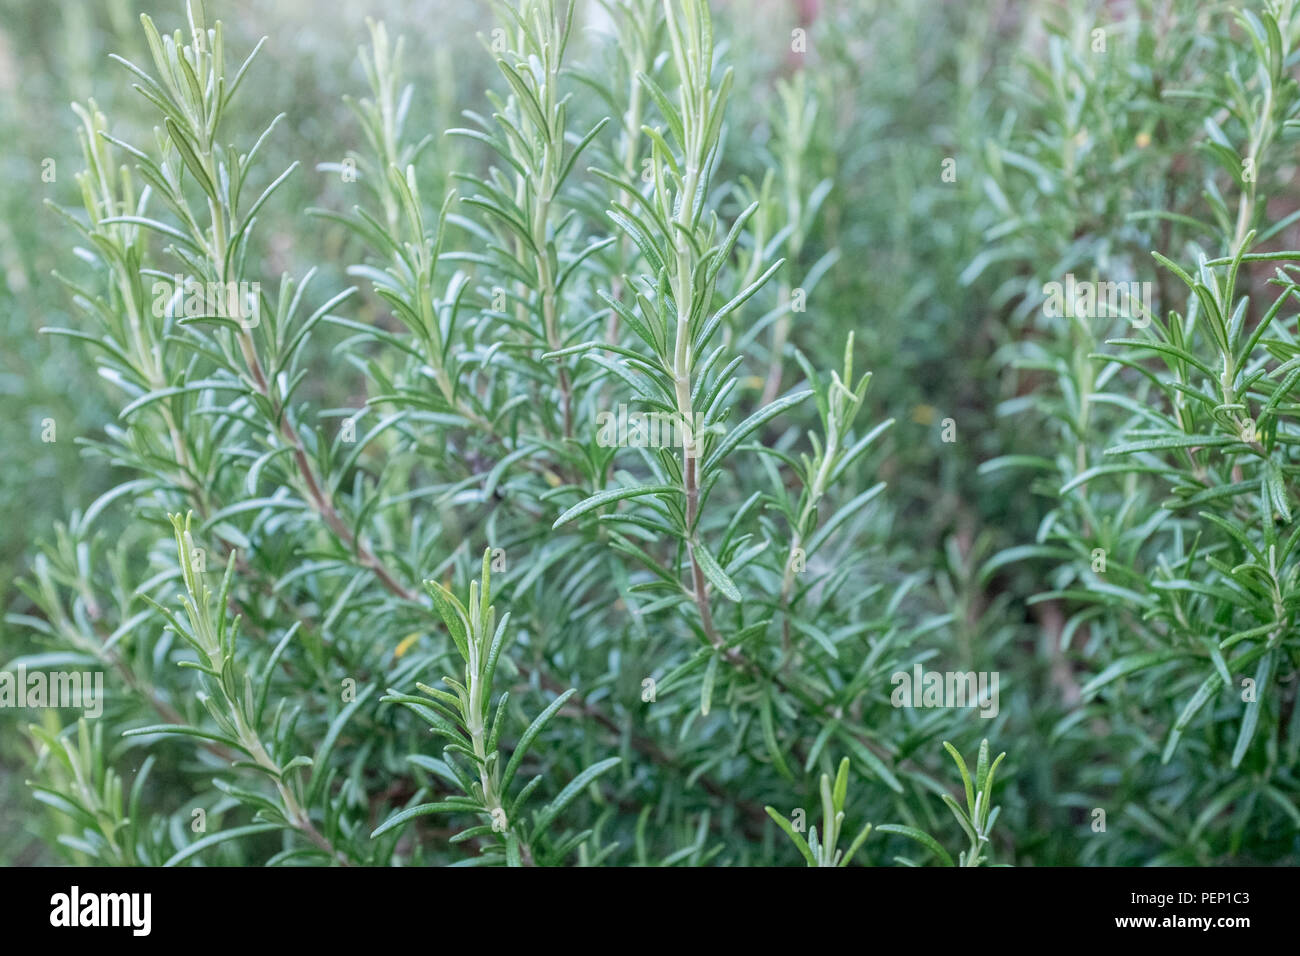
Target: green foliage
pixel 593 353
pixel 726 588
pixel 1171 508
pixel 467 716
pixel 976 819
pixel 821 851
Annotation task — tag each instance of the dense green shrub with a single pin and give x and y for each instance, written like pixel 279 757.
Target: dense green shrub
pixel 1174 578
pixel 507 487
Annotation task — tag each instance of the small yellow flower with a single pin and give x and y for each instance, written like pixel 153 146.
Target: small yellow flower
pixel 1143 140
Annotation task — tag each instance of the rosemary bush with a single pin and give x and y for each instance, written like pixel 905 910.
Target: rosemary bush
pixel 568 473
pixel 1170 507
pixel 687 637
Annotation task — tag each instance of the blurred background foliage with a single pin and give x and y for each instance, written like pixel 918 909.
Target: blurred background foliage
pixel 938 279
